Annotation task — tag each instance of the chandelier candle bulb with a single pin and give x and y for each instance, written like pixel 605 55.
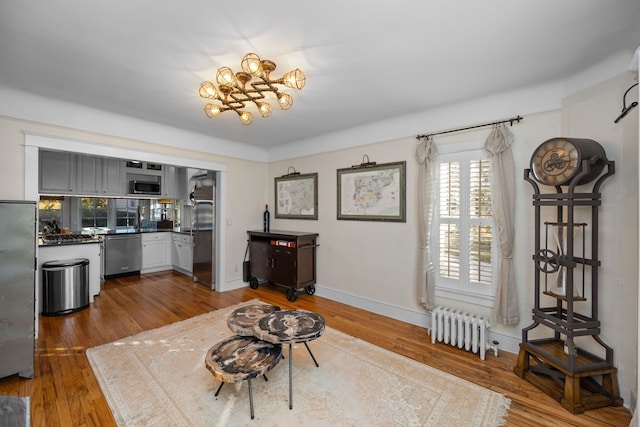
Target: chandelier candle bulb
pixel 265 109
pixel 246 117
pixel 208 90
pixel 212 110
pixel 252 85
pixel 285 101
pixel 225 77
pixel 294 79
pixel 252 65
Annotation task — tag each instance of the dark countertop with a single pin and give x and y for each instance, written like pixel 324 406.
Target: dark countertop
pixel 41 243
pixel 99 238
pixel 173 230
pixel 182 230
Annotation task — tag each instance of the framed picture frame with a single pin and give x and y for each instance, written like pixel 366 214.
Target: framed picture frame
pixel 372 192
pixel 296 196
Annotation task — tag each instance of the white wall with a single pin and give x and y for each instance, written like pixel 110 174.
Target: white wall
pixel 590 113
pixel 374 265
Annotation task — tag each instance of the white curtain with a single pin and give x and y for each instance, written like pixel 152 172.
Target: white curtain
pixel 498 148
pixel 426 157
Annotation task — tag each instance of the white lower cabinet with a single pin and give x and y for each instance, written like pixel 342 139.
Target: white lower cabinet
pixel 181 255
pixel 156 252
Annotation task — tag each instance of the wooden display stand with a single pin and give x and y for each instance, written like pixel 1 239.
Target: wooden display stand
pixel 575 377
pixel 579 389
pixel 286 258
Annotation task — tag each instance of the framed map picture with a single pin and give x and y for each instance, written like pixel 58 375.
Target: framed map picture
pixel 372 193
pixel 297 196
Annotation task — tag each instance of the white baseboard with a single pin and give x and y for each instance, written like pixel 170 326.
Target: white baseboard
pixel 507 343
pixel 156 269
pixel 418 318
pixel 231 285
pixel 399 313
pixel 423 319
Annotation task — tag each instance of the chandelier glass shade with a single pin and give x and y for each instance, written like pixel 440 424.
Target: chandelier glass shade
pixel 252 85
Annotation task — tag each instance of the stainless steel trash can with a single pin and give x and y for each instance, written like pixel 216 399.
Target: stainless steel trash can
pixel 65 286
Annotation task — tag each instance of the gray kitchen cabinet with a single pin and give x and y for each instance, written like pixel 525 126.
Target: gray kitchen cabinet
pixel 85 175
pixel 183 186
pixel 170 182
pixel 112 174
pixel 99 176
pixel 57 172
pixel 89 176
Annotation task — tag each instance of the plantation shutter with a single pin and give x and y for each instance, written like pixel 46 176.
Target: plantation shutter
pixel 480 217
pixel 450 202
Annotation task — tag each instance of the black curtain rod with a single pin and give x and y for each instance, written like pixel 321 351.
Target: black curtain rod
pixel 510 121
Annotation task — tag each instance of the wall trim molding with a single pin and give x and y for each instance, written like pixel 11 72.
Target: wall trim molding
pixel 506 342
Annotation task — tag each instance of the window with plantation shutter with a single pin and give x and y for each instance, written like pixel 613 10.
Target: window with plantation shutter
pixel 464 220
pixel 449 185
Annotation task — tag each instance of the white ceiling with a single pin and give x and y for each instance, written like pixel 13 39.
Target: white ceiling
pixel 364 60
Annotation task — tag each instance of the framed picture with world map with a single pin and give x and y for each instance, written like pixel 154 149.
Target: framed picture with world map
pixel 372 193
pixel 297 196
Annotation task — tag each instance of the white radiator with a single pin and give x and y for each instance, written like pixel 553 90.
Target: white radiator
pixel 462 330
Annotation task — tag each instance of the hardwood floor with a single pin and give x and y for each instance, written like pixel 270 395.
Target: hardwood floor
pixel 65 392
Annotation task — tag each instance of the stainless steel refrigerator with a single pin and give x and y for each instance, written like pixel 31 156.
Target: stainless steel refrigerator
pixel 203 234
pixel 17 287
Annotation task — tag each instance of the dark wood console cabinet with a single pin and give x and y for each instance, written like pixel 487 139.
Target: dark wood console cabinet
pixel 286 258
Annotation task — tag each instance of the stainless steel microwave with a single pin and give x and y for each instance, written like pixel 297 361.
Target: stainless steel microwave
pixel 144 187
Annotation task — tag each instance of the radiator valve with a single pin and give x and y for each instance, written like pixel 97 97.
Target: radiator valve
pixel 494 347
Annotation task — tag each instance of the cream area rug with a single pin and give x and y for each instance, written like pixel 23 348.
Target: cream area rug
pixel 158 378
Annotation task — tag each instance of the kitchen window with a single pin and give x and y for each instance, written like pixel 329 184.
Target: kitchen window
pixel 93 212
pixel 50 209
pixel 465 250
pixel 126 214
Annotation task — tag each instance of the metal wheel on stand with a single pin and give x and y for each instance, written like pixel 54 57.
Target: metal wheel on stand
pixel 292 295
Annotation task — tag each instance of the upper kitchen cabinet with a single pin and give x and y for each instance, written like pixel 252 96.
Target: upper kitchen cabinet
pixel 112 177
pixel 99 176
pixel 85 175
pixel 183 186
pixel 89 175
pixel 170 182
pixel 57 172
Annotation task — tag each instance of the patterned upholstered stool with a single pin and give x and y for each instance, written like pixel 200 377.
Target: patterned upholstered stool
pixel 242 358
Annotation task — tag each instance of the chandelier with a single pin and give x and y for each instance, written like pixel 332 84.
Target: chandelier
pixel 249 86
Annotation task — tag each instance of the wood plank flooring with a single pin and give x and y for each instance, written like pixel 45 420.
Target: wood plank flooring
pixel 65 392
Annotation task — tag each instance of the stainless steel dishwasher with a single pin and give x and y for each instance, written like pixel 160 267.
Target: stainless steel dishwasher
pixel 122 255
